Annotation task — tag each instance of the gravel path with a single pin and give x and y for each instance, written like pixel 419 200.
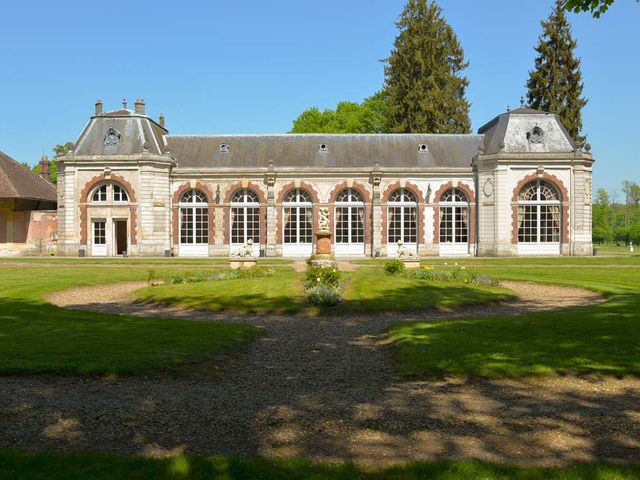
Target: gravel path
pixel 323 389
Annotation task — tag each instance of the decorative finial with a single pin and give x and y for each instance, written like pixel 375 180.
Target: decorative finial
pixel 508 108
pixel 522 102
pixel 124 103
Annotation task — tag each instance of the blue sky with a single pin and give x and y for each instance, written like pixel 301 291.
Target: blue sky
pixel 239 66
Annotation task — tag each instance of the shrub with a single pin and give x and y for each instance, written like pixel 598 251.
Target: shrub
pixel 223 275
pixel 323 296
pixel 323 275
pixel 394 267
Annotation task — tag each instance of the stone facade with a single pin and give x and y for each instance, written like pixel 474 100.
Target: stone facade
pixel 439 194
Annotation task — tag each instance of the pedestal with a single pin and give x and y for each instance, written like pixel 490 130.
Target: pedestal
pixel 236 263
pixel 411 263
pixel 323 247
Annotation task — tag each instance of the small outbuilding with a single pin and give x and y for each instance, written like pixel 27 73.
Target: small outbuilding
pixel 28 209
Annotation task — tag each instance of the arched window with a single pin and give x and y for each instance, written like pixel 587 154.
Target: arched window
pixel 402 212
pixel 539 213
pixel 298 223
pixel 349 222
pixel 454 220
pixel 100 194
pixel 245 218
pixel 194 223
pixel 120 194
pixel 109 192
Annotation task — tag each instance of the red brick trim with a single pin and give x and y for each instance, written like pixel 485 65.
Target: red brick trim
pixel 226 214
pixel 368 207
pixel 564 205
pixel 472 210
pixel 385 199
pixel 315 198
pixel 175 200
pixel 133 210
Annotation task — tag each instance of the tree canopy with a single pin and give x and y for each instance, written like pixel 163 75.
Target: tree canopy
pixel 348 117
pixel 423 75
pixel 555 84
pixel 596 7
pixel 58 151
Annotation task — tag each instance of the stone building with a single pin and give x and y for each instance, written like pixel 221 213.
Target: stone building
pixel 27 209
pixel 520 186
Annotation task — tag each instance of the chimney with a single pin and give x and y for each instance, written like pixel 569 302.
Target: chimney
pixel 140 106
pixel 98 107
pixel 161 120
pixel 44 168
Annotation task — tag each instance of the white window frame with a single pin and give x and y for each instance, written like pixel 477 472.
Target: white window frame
pixel 403 206
pixel 350 203
pixel 193 207
pixel 454 204
pixel 246 201
pixel 299 201
pixel 539 208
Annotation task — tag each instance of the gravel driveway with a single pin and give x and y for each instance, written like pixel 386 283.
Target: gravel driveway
pixel 323 389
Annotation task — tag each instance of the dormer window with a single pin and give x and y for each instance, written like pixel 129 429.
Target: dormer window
pixel 323 147
pixel 535 135
pixel 423 148
pixel 224 147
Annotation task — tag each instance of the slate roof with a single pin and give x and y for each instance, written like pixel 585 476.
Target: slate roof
pixel 136 131
pixel 18 181
pixel 342 151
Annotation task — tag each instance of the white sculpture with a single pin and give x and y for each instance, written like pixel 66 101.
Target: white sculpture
pixel 323 220
pixel 246 251
pixel 404 252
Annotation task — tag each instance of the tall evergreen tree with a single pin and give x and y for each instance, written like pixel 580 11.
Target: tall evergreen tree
pixel 423 76
pixel 555 85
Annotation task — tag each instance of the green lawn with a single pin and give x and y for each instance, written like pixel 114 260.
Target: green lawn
pixel 73 466
pixel 280 293
pixel 600 339
pixel 367 290
pixel 36 337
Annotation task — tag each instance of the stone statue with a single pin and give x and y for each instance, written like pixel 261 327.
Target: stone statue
pixel 323 220
pixel 403 252
pixel 246 251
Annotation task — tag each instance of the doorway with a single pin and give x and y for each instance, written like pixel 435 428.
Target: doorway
pixel 121 236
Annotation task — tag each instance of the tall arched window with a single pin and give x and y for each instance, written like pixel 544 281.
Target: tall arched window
pixel 245 218
pixel 194 223
pixel 402 212
pixel 539 218
pixel 349 222
pixel 298 223
pixel 454 222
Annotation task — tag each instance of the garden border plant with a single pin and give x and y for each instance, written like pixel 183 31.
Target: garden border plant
pixel 323 284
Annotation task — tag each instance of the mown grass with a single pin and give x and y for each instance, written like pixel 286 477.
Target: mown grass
pixel 93 466
pixel 36 337
pixel 367 290
pixel 601 339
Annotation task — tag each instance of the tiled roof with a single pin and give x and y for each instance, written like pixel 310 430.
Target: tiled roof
pixel 18 181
